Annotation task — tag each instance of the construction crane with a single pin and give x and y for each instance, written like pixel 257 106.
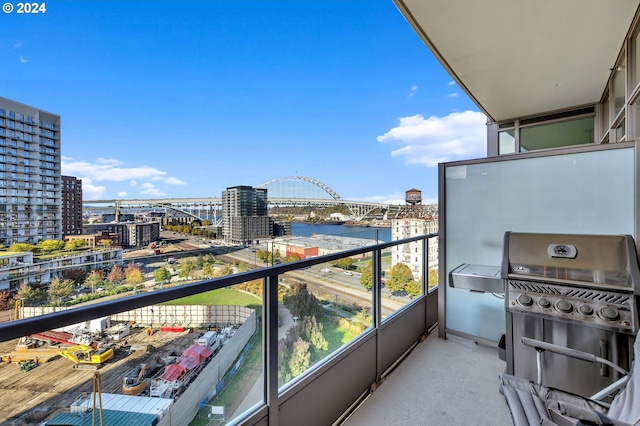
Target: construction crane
pixel 97 393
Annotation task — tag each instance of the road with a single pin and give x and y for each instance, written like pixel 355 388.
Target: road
pixel 323 280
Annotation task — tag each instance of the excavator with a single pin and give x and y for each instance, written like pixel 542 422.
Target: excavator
pixel 85 357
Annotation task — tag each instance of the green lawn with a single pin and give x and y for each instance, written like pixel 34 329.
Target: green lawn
pixel 335 336
pixel 223 296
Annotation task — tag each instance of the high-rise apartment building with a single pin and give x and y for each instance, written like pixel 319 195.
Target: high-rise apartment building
pixel 413 220
pixel 245 216
pixel 30 187
pixel 71 206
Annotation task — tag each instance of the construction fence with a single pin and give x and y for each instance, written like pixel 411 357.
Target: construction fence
pixel 166 315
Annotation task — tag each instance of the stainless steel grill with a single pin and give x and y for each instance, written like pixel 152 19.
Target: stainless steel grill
pixel 577 291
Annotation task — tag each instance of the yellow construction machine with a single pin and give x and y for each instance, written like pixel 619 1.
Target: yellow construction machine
pixel 86 357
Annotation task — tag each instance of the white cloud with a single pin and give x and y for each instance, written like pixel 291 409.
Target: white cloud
pixel 413 89
pixel 393 199
pixel 451 83
pixel 453 95
pixel 17 44
pixel 108 170
pixel 91 191
pixel 22 59
pixel 457 136
pixel 115 171
pixel 110 162
pixel 397 198
pixel 150 189
pixel 174 181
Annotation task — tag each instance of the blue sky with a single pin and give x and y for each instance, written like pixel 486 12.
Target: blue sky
pixel 186 98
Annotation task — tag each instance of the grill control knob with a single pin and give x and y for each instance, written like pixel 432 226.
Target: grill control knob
pixel 544 303
pixel 564 306
pixel 525 300
pixel 608 313
pixel 585 310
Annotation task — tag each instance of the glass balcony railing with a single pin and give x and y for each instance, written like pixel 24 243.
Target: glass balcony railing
pixel 212 339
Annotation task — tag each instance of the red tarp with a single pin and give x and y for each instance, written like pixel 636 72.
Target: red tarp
pixel 172 329
pixel 172 372
pixel 187 362
pixel 198 352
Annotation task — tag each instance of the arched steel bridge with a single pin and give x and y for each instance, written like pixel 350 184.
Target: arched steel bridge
pixel 286 191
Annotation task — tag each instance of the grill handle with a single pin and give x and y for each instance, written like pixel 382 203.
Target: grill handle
pixel 544 346
pixel 541 346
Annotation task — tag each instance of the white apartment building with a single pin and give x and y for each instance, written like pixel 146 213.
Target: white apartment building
pixel 413 220
pixel 411 254
pixel 22 268
pixel 30 179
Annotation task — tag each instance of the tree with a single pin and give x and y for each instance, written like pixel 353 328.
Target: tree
pixel 399 276
pixel 116 274
pixel 293 257
pixel 185 269
pixel 313 333
pixel 76 275
pixel 413 288
pixel 432 278
pixel 264 255
pixel 59 288
pixel 300 357
pixel 344 263
pixel 6 301
pixel 74 244
pixel 21 247
pixel 162 275
pixel 31 294
pixel 94 280
pixel 133 274
pixel 242 267
pixel 208 270
pixel 48 246
pixel 301 303
pixel 105 242
pixel 366 277
pixel 222 271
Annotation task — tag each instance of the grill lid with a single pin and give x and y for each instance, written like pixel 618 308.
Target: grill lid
pixel 603 261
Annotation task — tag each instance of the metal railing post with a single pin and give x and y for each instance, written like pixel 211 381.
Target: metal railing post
pixel 376 303
pixel 270 346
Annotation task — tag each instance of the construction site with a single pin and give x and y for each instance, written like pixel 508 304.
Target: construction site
pixel 52 374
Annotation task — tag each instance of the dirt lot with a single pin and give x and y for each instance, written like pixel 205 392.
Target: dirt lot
pixel 32 397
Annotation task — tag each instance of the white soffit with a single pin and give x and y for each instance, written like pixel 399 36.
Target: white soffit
pixel 517 58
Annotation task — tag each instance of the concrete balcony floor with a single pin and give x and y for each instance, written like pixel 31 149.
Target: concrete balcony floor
pixel 451 381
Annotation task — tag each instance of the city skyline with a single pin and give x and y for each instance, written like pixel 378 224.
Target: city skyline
pixel 162 99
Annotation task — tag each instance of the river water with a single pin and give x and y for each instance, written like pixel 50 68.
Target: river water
pixel 373 233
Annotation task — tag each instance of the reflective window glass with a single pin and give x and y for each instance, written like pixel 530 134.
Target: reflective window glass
pixel 619 88
pixel 507 142
pixel 556 135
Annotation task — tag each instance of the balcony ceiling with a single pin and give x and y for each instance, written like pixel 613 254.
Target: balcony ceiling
pixel 525 57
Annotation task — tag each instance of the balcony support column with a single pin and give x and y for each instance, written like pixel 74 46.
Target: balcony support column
pixel 270 345
pixel 376 305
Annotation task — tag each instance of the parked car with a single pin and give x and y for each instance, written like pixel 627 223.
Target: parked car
pixel 348 273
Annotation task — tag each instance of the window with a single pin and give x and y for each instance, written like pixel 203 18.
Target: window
pixel 620 131
pixel 619 88
pixel 565 133
pixel 507 142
